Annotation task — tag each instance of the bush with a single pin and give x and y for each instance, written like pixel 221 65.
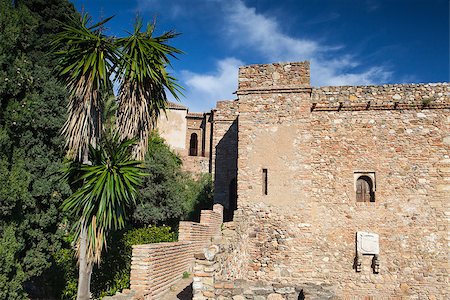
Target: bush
pixel 65 277
pixel 11 273
pixel 199 195
pixel 162 194
pixel 148 235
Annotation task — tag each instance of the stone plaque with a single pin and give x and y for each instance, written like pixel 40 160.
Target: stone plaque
pixel 367 243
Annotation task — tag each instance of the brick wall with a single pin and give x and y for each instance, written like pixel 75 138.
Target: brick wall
pixel 156 267
pixel 212 218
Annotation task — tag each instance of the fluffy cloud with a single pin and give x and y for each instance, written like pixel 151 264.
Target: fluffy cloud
pixel 263 34
pixel 203 90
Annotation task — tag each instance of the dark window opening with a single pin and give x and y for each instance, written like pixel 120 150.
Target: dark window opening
pixel 193 145
pixel 232 201
pixel 264 178
pixel 364 189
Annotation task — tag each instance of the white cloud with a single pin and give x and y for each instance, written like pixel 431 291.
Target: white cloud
pixel 330 76
pixel 262 34
pixel 203 90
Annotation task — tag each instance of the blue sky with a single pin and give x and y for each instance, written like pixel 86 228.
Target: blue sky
pixel 349 42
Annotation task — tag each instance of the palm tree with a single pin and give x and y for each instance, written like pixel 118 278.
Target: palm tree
pixel 108 187
pixel 143 83
pixel 107 175
pixel 86 60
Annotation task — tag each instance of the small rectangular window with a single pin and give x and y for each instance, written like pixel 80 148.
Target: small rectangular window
pixel 264 183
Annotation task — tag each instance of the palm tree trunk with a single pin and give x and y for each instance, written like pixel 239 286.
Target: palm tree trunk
pixel 85 267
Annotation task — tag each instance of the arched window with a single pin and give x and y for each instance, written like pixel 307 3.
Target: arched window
pixel 364 189
pixel 193 145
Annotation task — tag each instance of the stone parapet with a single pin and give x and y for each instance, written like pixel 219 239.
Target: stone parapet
pixel 389 96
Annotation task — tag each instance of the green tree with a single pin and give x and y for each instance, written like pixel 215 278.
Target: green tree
pixel 86 64
pixel 168 194
pixel 108 189
pixel 32 111
pixel 163 192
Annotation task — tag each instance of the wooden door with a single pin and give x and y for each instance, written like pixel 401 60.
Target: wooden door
pixel 363 190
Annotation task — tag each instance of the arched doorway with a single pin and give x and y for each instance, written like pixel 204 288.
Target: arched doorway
pixel 364 189
pixel 193 145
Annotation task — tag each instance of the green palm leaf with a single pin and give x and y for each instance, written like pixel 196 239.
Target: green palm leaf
pixel 109 188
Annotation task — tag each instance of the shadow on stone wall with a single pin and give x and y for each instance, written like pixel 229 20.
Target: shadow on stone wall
pixel 225 179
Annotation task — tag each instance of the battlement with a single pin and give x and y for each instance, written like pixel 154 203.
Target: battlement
pixel 277 76
pixel 387 96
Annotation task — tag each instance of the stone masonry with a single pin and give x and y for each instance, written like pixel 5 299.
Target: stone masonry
pixel 313 144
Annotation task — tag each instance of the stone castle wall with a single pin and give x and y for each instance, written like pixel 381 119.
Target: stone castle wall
pixel 313 142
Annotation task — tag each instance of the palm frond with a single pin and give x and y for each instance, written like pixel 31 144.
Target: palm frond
pixel 109 188
pixel 143 82
pixel 86 61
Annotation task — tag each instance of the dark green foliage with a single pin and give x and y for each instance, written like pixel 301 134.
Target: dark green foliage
pixel 113 274
pixel 12 275
pixel 32 110
pixel 169 194
pixel 65 273
pixel 199 196
pixel 161 194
